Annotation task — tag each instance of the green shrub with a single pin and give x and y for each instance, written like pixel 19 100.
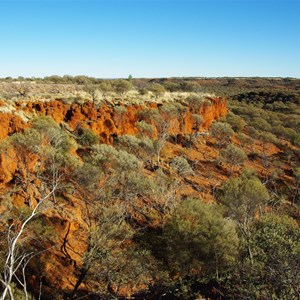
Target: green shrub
pixel 236 122
pixel 157 89
pixel 195 102
pixel 87 137
pixel 274 271
pixel 233 155
pixel 145 128
pixel 122 86
pixel 181 166
pixel 222 132
pixel 198 239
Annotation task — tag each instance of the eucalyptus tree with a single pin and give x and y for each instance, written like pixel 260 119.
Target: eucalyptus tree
pixel 243 197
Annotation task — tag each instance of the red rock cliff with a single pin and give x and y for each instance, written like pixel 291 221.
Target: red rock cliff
pixel 107 122
pixel 104 120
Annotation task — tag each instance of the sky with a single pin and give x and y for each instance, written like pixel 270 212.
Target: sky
pixel 144 38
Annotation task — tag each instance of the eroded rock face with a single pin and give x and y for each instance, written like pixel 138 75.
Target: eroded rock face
pixel 10 123
pixel 105 120
pixel 62 261
pixel 8 166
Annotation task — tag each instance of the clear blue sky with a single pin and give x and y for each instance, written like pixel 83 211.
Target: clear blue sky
pixel 158 38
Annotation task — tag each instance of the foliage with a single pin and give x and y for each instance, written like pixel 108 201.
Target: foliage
pixel 190 86
pixel 242 197
pixel 198 119
pixel 87 137
pixel 157 89
pixel 172 86
pixel 43 152
pixel 198 240
pixel 274 272
pixel 236 122
pixel 30 140
pixel 276 242
pixel 181 166
pixel 244 139
pixel 148 114
pixel 145 128
pixel 270 119
pixel 122 86
pixel 105 87
pixel 120 110
pixel 106 157
pixel 222 132
pixel 195 102
pixel 19 294
pixel 110 260
pixel 52 132
pixel 21 88
pixel 92 90
pixel 233 155
pixel 140 147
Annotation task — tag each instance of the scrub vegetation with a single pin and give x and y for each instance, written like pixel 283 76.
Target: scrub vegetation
pixel 150 188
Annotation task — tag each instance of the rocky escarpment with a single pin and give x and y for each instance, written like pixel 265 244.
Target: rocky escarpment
pixel 68 216
pixel 106 121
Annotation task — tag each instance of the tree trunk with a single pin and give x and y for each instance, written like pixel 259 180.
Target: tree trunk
pixel 82 275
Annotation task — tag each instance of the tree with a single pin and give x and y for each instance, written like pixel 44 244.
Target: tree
pixel 122 86
pixel 114 181
pixel 121 176
pixel 152 118
pixel 242 197
pixel 15 258
pixel 86 137
pixel 198 239
pixel 195 102
pixel 296 193
pixel 107 233
pixel 140 147
pixel 276 241
pixel 105 87
pixel 145 128
pixel 106 157
pixel 181 166
pixel 236 122
pixel 92 90
pixel 172 86
pixel 222 132
pixel 233 155
pixel 198 120
pixel 273 273
pixel 82 79
pixel 244 139
pixel 22 88
pixel 157 89
pixel 180 112
pixel 119 113
pixel 149 115
pixel 161 139
pixel 42 160
pixel 190 86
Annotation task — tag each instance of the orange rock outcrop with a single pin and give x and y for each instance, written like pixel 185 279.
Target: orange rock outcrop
pixel 104 120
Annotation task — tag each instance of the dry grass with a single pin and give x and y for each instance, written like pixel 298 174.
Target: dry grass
pixel 70 93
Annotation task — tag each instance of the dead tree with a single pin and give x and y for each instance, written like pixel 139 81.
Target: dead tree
pixel 14 260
